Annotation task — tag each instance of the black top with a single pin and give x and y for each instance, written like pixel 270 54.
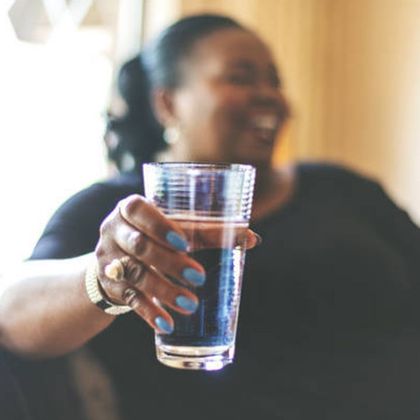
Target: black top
pixel 329 319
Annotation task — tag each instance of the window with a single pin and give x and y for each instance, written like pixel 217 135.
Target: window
pixel 55 79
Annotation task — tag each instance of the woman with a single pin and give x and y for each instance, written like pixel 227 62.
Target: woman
pixel 329 322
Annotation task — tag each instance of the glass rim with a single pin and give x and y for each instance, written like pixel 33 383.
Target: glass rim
pixel 239 167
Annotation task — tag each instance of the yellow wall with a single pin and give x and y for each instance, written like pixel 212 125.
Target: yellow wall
pixel 352 72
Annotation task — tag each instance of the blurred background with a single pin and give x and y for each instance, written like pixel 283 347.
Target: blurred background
pixel 351 70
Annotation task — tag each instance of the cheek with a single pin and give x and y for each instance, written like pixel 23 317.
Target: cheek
pixel 212 120
pixel 230 119
pixel 212 102
pixel 228 113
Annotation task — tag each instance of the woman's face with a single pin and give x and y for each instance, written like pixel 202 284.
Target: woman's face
pixel 229 106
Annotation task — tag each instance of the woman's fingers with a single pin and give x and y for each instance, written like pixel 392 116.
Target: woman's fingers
pixel 145 217
pixel 143 305
pixel 153 249
pixel 193 235
pixel 145 290
pixel 143 287
pixel 152 284
pixel 168 262
pixel 249 239
pixel 218 235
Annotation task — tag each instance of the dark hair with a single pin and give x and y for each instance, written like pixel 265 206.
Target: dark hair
pixel 139 134
pixel 164 56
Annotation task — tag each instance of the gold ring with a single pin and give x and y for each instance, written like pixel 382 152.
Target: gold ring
pixel 115 270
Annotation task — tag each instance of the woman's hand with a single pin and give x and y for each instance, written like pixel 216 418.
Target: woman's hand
pixel 154 249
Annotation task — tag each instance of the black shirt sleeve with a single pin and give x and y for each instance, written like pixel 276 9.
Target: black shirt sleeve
pixel 369 199
pixel 73 230
pixel 391 223
pixel 395 226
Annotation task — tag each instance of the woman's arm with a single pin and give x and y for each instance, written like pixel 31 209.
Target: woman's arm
pixel 45 310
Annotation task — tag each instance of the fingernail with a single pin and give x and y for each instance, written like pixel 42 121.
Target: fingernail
pixel 163 325
pixel 186 303
pixel 259 239
pixel 194 276
pixel 176 241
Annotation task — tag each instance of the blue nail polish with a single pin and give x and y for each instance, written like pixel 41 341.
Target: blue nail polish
pixel 186 303
pixel 176 241
pixel 194 276
pixel 163 325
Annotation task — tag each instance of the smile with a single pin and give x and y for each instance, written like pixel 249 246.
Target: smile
pixel 265 128
pixel 266 122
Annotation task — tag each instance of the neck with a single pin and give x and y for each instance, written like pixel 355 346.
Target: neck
pixel 172 154
pixel 273 188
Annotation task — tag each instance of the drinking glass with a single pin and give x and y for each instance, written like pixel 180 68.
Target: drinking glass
pixel 212 205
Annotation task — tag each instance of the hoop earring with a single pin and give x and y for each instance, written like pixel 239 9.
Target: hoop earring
pixel 171 135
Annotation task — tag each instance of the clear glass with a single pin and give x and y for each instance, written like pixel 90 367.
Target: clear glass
pixel 212 204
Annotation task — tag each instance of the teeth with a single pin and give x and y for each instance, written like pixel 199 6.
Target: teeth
pixel 266 122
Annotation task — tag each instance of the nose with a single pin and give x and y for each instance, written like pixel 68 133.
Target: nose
pixel 265 91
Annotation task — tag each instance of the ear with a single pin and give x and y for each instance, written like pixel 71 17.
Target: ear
pixel 163 106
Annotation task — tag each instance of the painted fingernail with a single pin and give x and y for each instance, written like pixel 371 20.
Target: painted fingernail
pixel 186 303
pixel 163 325
pixel 176 241
pixel 194 276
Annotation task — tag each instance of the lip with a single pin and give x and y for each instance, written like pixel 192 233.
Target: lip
pixel 262 138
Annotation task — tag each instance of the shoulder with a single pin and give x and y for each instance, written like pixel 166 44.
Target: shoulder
pixel 127 182
pixel 328 170
pixel 104 194
pixel 329 182
pixel 330 177
pixel 73 228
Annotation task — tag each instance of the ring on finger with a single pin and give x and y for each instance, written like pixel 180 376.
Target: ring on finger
pixel 135 272
pixel 115 270
pixel 126 268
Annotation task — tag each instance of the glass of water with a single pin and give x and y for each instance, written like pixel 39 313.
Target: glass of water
pixel 212 205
